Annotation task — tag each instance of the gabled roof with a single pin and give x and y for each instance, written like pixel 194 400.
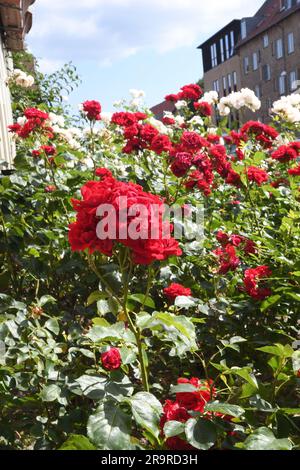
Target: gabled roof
pixel 219 32
pixel 16 22
pixel 267 16
pixel 160 109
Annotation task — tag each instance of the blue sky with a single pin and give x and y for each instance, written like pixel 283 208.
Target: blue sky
pixel 122 44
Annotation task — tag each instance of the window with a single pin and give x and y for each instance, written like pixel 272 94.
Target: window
pixel 246 65
pixel 266 72
pixel 266 40
pixel 291 43
pixel 216 86
pixel 234 76
pixel 257 91
pixel 243 29
pixel 225 86
pixel 232 42
pixel 229 81
pixel 213 52
pixel 222 50
pixel 227 46
pixel 279 49
pixel 293 80
pixel 255 61
pixel 288 4
pixel 281 83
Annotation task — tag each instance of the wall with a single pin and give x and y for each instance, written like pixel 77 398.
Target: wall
pixel 7 147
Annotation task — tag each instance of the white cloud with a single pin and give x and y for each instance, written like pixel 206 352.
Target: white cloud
pixel 109 30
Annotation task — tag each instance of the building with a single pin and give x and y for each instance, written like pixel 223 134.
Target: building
pixel 261 52
pixel 15 22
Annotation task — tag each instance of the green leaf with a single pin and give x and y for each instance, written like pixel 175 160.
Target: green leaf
pixel 141 299
pixel 269 302
pixel 52 325
pixel 225 409
pixel 278 350
pixel 175 329
pixel 77 442
pixel 183 388
pixel 109 428
pixel 264 439
pixel 146 410
pixel 50 393
pixel 46 299
pixel 173 428
pixel 185 302
pixel 94 297
pixel 201 433
pixel 246 374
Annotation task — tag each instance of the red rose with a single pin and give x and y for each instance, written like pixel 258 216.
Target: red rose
pixel 48 149
pixel 262 133
pixel 204 108
pixel 92 110
pixel 103 173
pixel 295 171
pixel 252 279
pixel 36 153
pixel 124 119
pixel 153 242
pixel 191 92
pixel 111 360
pixel 177 290
pixel 168 121
pixel 286 153
pixel 182 163
pixel 34 113
pixel 228 259
pixel 257 175
pixel 161 144
pixel 173 98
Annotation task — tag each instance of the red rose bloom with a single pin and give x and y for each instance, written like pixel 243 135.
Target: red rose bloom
pixel 168 121
pixel 257 175
pixel 286 153
pixel 295 171
pixel 153 242
pixel 181 164
pixel 161 144
pixel 173 98
pixel 48 149
pixel 177 290
pixel 111 360
pixel 263 134
pixel 36 114
pixel 196 401
pixel 190 92
pixel 228 259
pixel 93 110
pixel 252 279
pixel 36 153
pixel 203 108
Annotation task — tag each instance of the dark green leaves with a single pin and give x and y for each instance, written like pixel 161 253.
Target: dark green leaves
pixel 201 433
pixel 109 428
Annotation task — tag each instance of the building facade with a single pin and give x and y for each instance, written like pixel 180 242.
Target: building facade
pixel 261 52
pixel 15 22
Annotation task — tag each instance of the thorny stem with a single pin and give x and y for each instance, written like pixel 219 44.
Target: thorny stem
pixel 136 331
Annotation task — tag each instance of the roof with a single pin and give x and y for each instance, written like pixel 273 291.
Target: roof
pixel 225 28
pixel 16 22
pixel 267 16
pixel 160 108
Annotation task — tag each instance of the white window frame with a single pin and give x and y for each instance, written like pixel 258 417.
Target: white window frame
pixel 279 48
pixel 291 43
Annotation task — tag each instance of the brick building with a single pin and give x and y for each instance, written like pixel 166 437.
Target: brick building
pixel 15 22
pixel 261 52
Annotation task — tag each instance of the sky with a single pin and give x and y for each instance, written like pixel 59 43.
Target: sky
pixel 118 45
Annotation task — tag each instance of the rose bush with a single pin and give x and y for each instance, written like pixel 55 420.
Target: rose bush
pixel 95 333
